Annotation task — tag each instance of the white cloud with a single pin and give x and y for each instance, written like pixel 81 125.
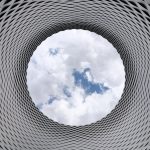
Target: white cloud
pixel 47 74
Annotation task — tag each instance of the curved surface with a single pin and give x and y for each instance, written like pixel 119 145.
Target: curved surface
pixel 24 24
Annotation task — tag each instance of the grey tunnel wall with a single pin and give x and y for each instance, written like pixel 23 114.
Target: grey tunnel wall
pixel 24 24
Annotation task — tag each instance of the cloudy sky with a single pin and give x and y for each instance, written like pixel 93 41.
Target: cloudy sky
pixel 75 77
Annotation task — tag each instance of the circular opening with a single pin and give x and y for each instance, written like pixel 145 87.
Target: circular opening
pixel 75 77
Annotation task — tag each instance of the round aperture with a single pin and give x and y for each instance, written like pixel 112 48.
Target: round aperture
pixel 75 77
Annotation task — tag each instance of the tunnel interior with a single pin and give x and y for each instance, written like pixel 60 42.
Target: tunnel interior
pixel 25 24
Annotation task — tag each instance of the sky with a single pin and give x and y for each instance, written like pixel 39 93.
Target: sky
pixel 75 77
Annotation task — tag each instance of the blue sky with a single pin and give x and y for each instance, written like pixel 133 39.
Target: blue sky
pixel 80 80
pixel 54 51
pixel 75 77
pixel 90 87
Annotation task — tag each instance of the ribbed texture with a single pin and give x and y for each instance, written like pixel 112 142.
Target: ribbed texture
pixel 24 24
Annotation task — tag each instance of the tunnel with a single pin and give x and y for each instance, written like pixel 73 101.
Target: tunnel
pixel 24 24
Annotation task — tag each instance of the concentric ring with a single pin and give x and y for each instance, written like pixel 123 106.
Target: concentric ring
pixel 25 24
